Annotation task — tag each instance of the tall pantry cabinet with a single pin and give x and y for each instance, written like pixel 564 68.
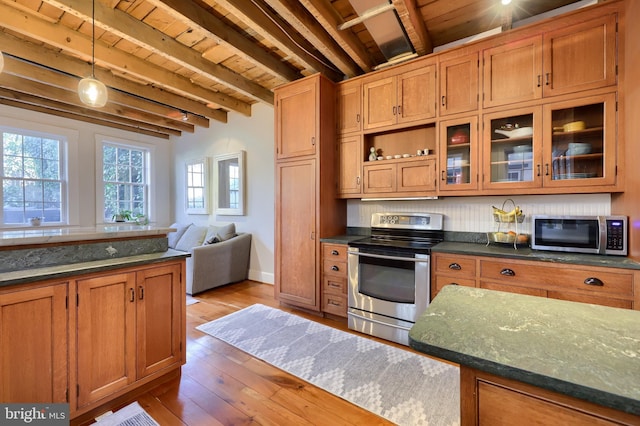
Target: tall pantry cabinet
pixel 306 186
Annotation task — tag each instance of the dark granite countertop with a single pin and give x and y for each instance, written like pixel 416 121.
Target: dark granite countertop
pixel 341 239
pixel 61 271
pixel 586 351
pixel 526 253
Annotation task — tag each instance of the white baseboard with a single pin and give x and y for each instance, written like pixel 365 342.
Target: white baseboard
pixel 263 277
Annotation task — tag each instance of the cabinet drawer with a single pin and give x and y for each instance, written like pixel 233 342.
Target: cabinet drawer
pixel 560 277
pixel 334 251
pixel 332 267
pixel 589 298
pixel 531 291
pixel 335 285
pixel 439 281
pixel 334 304
pixel 454 265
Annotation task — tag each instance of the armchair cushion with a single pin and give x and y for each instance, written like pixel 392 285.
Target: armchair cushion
pixel 174 237
pixel 216 234
pixel 192 237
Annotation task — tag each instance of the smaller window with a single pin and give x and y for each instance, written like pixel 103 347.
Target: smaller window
pixel 125 180
pixel 197 191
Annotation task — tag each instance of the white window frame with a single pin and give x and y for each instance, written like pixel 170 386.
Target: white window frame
pixel 102 140
pixel 204 162
pixel 69 202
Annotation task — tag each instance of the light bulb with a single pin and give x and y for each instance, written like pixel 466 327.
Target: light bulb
pixel 92 92
pixel 1 61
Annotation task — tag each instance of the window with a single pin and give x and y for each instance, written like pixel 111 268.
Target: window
pixel 198 186
pixel 33 177
pixel 125 180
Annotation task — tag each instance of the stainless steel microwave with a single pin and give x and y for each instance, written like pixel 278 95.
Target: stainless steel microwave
pixel 580 234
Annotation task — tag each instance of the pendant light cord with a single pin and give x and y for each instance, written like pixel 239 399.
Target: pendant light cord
pixel 93 38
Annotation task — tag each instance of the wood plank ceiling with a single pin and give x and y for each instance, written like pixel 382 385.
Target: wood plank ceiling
pixel 171 65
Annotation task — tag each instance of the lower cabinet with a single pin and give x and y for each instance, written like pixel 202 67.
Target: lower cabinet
pixel 487 399
pixel 579 283
pixel 128 327
pixel 91 338
pixel 34 343
pixel 334 279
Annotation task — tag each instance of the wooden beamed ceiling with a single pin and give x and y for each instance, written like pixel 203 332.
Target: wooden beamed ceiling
pixel 172 65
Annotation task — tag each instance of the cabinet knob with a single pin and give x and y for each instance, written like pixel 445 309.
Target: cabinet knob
pixel 313 140
pixel 334 252
pixel 508 272
pixel 455 266
pixel 594 281
pixel 335 268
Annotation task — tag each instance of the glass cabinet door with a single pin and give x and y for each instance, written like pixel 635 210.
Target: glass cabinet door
pixel 511 158
pixel 459 154
pixel 582 150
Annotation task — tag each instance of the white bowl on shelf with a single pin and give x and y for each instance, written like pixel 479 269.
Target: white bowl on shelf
pixel 518 132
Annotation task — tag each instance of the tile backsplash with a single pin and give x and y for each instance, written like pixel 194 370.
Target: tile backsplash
pixel 474 214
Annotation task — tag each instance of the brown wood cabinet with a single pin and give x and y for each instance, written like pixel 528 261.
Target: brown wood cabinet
pixel 459 82
pixel 34 347
pixel 459 159
pixel 613 287
pixel 349 107
pixel 395 97
pixel 307 207
pixel 350 152
pixel 490 400
pixel 295 138
pixel 414 176
pixel 571 59
pixel 129 326
pixel 334 279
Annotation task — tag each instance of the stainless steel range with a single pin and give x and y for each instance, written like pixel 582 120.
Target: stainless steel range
pixel 389 273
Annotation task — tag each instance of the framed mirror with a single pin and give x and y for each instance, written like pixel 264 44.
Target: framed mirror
pixel 197 182
pixel 229 176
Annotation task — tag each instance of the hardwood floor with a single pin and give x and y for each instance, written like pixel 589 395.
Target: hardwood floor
pixel 221 385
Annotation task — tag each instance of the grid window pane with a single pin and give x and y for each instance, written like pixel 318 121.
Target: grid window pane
pixel 124 180
pixel 32 178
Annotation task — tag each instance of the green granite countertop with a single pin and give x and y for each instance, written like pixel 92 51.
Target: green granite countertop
pixel 342 239
pixel 60 271
pixel 525 253
pixel 586 351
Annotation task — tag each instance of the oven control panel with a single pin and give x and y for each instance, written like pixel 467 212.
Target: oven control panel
pixel 428 221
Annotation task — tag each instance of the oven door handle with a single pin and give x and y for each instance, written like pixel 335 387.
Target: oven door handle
pixel 383 256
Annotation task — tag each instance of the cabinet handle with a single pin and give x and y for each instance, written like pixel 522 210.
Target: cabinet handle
pixel 538 167
pixel 335 268
pixel 548 79
pixel 358 180
pixel 455 266
pixel 334 285
pixel 454 284
pixel 546 169
pixel 443 98
pixel 141 292
pixel 313 140
pixel 594 281
pixel 357 118
pixel 334 303
pixel 442 175
pixel 335 252
pixel 508 272
pixel 539 80
pixel 394 110
pixel 399 109
pixel 132 295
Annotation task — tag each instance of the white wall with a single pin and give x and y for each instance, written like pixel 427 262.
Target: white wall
pixel 83 173
pixel 255 135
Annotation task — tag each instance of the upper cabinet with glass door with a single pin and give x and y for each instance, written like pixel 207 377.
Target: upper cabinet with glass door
pixel 512 157
pixel 582 151
pixel 458 155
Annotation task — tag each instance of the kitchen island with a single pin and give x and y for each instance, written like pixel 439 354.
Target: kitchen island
pixel 525 357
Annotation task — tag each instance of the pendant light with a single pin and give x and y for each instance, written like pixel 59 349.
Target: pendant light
pixel 93 92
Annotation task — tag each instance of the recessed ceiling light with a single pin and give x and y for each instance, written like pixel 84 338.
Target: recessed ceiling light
pixel 506 2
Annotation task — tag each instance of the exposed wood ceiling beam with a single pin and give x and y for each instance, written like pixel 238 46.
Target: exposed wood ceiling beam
pixel 160 100
pixel 72 41
pixel 193 15
pixel 140 34
pixel 330 20
pixel 414 25
pixel 70 99
pixel 269 25
pixel 120 104
pixel 305 24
